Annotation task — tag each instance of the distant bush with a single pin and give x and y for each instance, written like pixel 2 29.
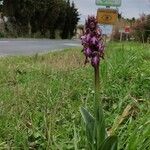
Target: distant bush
pixel 141 28
pixel 2 35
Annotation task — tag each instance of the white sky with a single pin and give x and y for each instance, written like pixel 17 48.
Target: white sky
pixel 129 8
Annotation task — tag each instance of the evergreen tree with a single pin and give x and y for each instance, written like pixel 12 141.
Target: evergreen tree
pixel 65 32
pixel 74 19
pixel 1 5
pixel 71 20
pixel 31 16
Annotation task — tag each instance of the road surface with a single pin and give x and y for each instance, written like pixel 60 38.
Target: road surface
pixel 33 46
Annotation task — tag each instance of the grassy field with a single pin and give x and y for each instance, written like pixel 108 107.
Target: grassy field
pixel 40 97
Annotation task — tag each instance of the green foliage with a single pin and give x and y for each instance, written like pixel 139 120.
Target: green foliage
pixel 142 28
pixel 90 127
pixel 96 132
pixel 45 16
pixel 100 128
pixel 147 27
pixel 2 35
pixel 71 20
pixel 1 6
pixel 110 143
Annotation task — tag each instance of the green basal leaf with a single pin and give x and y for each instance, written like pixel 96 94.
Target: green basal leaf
pixel 75 139
pixel 110 143
pixel 90 123
pixel 101 133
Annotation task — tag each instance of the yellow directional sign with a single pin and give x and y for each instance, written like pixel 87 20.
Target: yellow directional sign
pixel 107 16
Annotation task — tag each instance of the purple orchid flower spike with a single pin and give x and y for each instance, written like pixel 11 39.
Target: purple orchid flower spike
pixel 93 46
pixel 93 49
pixel 95 60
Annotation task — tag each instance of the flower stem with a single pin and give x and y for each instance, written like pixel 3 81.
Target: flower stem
pixel 97 84
pixel 100 122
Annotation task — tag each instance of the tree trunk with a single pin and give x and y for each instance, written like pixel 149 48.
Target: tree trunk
pixel 52 33
pixel 29 28
pixel 8 8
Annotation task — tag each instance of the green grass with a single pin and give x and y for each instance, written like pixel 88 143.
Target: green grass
pixel 40 98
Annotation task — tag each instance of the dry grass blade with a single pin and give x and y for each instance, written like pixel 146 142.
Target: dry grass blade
pixel 130 110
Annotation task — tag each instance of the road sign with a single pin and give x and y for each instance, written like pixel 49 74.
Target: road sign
pixel 106 29
pixel 107 16
pixel 115 3
pixel 127 29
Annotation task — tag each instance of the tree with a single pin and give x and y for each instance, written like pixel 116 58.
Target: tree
pixel 74 19
pixel 44 16
pixel 25 9
pixel 147 27
pixel 1 5
pixel 141 28
pixel 8 7
pixel 54 10
pixel 71 20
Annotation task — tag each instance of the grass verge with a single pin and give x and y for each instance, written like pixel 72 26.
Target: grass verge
pixel 40 97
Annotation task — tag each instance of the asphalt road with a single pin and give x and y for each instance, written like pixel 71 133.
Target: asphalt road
pixel 33 46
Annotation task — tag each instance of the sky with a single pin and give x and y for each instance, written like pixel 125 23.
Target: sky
pixel 129 8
